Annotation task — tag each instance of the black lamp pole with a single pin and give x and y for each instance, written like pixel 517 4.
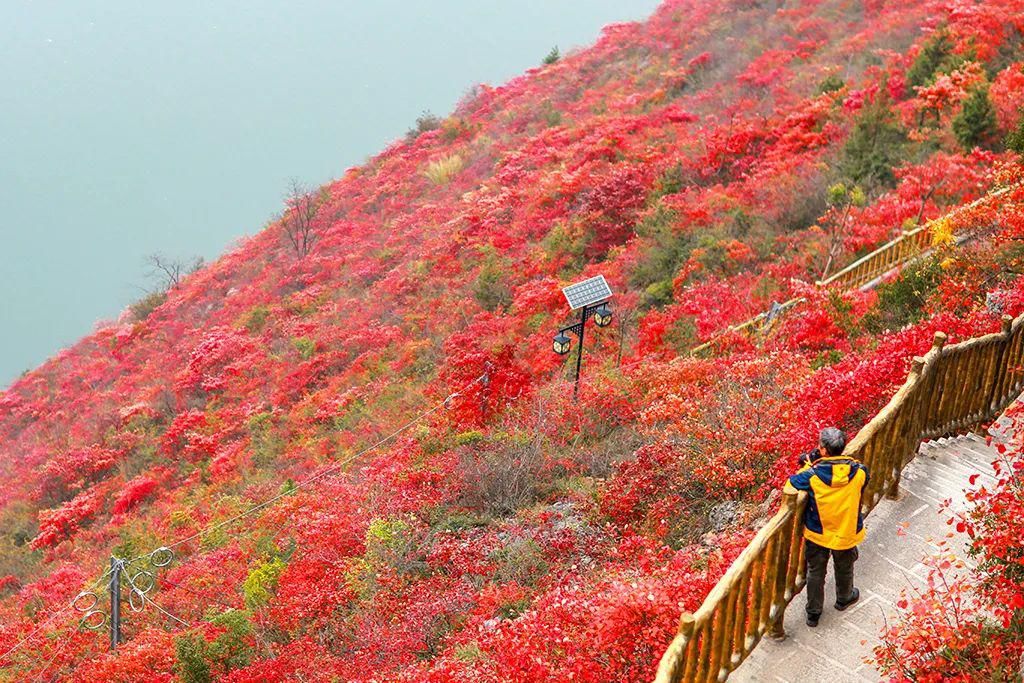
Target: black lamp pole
pixel 579 330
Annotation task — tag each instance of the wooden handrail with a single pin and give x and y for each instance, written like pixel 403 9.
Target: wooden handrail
pixel 865 270
pixel 749 327
pixel 950 390
pixel 898 250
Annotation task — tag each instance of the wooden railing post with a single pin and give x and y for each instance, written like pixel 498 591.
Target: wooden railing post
pixel 686 666
pixel 997 370
pixel 895 461
pixel 776 629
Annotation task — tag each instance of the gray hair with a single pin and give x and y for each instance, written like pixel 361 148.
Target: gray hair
pixel 832 440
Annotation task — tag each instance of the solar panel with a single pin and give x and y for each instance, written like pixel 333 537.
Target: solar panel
pixel 587 292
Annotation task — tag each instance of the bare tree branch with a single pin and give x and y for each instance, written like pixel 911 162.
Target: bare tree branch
pixel 299 220
pixel 168 271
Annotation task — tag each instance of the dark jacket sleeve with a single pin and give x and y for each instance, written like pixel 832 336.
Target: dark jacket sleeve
pixel 801 481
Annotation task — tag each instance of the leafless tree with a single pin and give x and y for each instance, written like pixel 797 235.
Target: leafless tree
pixel 299 220
pixel 168 271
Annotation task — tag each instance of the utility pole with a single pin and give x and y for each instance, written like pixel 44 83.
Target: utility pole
pixel 116 567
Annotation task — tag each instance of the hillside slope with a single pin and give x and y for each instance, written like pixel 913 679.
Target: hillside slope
pixel 467 520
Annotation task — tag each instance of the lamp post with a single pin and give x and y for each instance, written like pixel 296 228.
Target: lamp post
pixel 591 298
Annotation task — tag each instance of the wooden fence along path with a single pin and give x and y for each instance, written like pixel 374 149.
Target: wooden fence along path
pixel 899 251
pixel 948 391
pixel 862 273
pixel 890 255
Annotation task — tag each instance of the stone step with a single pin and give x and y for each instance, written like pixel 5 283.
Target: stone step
pixel 964 465
pixel 958 466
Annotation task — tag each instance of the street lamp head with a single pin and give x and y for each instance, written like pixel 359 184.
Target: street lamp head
pixel 562 344
pixel 603 315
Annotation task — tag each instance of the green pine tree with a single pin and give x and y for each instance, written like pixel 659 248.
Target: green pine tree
pixel 1015 140
pixel 935 57
pixel 875 145
pixel 975 125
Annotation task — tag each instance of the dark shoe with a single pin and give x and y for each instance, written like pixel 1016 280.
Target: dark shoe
pixel 812 620
pixel 843 605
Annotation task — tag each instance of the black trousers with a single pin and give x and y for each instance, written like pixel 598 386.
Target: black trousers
pixel 817 568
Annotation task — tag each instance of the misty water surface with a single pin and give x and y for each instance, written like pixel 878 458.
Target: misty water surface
pixel 128 128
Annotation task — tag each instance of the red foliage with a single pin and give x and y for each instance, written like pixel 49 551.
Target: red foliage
pixel 965 624
pixel 690 168
pixel 134 492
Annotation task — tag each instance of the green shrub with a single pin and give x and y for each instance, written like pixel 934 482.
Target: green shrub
pixel 470 437
pixel 831 83
pixel 826 358
pixel 391 542
pixel 230 650
pixel 682 335
pixel 147 304
pixel 490 289
pixel 452 128
pixel 665 247
pixel 671 181
pixel 199 660
pixel 1015 140
pixel 562 243
pixel 936 57
pixel 553 56
pixel 305 346
pixel 468 653
pixel 975 125
pixel 266 442
pixel 659 293
pixel 424 123
pixel 902 301
pixel 256 318
pixel 192 665
pixel 552 117
pixel 387 533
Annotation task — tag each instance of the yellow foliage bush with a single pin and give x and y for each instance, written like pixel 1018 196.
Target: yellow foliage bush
pixel 441 172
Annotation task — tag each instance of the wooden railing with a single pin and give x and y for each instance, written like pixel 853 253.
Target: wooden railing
pixel 864 271
pixel 950 390
pixel 879 262
pixel 758 324
pixel 899 250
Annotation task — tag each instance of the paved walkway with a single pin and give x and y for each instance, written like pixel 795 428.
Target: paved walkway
pixel 900 534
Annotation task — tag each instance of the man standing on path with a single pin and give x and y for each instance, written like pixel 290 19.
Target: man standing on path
pixel 833 524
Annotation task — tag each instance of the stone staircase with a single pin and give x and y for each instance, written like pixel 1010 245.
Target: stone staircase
pixel 901 533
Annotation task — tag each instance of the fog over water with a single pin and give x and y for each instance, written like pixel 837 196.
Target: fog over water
pixel 128 128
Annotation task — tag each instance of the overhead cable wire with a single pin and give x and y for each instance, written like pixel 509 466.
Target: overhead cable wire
pixel 148 600
pixel 55 614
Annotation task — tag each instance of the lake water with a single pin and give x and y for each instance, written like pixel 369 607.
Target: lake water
pixel 128 128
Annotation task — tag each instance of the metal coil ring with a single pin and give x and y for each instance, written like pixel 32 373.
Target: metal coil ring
pixel 131 600
pixel 145 584
pixel 77 602
pixel 90 621
pixel 161 557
